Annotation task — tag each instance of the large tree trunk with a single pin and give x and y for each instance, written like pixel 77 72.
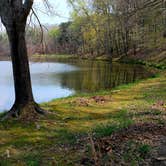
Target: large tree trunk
pixel 24 106
pixel 21 73
pixel 14 15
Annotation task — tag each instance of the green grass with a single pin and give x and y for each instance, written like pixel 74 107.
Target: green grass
pixel 69 123
pixel 32 159
pixel 52 57
pixel 144 149
pixel 122 120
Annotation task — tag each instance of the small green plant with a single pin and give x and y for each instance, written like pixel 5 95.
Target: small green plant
pixel 105 130
pixel 135 152
pixel 66 136
pixel 33 163
pixel 130 155
pixel 122 121
pixel 32 159
pixel 144 149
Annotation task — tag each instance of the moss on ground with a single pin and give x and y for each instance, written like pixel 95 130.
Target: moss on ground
pixel 57 139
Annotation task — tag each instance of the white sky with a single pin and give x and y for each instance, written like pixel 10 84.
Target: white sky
pixel 60 7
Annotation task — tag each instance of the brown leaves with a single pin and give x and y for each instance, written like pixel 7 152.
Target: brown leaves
pixel 129 140
pixel 84 102
pixel 160 105
pixel 99 99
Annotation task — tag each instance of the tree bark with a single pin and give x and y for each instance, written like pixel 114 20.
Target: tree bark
pixel 14 16
pixel 21 73
pixel 24 106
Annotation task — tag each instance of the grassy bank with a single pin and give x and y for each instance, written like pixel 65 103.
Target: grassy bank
pixel 52 57
pixel 157 61
pixel 65 136
pixel 158 65
pixel 152 58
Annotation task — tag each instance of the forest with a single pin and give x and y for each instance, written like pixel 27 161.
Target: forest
pixel 88 91
pixel 97 28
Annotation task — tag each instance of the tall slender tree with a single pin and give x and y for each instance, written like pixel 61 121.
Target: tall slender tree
pixel 14 15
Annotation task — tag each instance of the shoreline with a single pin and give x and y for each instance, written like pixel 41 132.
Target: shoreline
pixel 56 57
pixel 100 92
pixel 63 135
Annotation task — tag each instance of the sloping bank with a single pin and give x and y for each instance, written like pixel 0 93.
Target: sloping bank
pixel 91 129
pixel 151 58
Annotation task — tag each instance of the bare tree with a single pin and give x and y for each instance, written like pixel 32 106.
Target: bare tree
pixel 14 15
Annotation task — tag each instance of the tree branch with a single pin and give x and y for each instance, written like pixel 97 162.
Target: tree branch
pixel 28 5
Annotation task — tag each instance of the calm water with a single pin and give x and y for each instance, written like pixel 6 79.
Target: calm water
pixel 60 79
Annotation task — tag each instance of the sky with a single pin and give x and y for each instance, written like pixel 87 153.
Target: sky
pixel 61 9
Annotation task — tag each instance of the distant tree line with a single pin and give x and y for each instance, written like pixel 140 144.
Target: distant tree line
pixel 119 27
pixel 102 27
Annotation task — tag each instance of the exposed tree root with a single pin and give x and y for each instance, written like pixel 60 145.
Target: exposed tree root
pixel 26 112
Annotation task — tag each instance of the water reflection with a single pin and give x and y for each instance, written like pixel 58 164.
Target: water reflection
pixel 95 76
pixel 56 80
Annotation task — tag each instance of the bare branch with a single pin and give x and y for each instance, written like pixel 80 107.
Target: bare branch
pixel 41 27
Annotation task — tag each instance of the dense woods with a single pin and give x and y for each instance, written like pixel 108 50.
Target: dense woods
pixel 112 28
pixel 109 27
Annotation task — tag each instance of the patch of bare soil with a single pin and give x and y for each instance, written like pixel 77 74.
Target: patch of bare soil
pixel 142 144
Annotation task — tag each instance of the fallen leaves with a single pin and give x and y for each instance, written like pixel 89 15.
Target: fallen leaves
pixel 85 102
pixel 118 144
pixel 159 105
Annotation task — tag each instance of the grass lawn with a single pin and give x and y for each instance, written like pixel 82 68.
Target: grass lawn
pixel 60 138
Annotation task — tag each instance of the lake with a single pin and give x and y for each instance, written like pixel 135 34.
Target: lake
pixel 53 80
